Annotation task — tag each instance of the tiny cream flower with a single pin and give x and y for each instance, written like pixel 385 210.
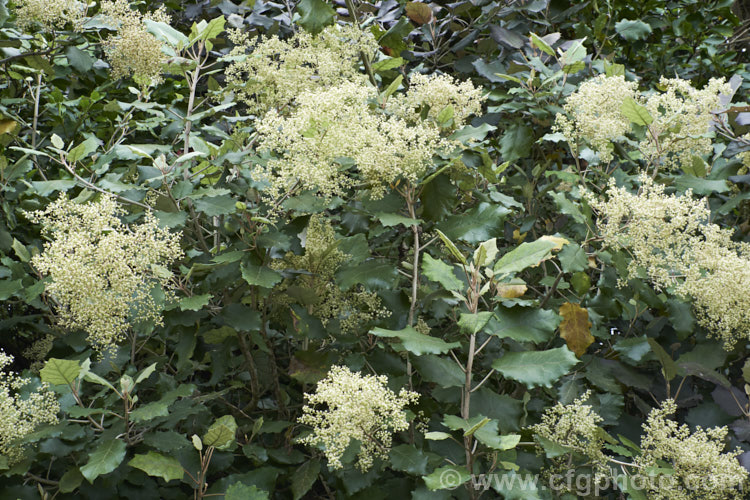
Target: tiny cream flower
pixel 21 415
pixel 346 406
pixel 102 271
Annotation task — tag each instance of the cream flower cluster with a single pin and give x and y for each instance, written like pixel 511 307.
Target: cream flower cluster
pixel 701 468
pixel 328 126
pixel 682 116
pixel 575 426
pixel 102 270
pixel 592 114
pixel 321 260
pixel 433 95
pixel 50 14
pixel 133 51
pixel 671 238
pixel 21 415
pixel 346 406
pixel 271 74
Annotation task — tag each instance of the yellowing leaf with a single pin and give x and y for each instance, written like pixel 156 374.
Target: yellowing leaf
pixel 511 290
pixel 420 13
pixel 556 240
pixel 7 126
pixel 575 328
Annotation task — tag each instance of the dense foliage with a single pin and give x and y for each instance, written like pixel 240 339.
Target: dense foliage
pixel 360 250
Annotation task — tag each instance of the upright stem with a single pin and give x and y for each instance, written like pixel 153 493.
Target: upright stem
pixel 193 83
pixel 473 305
pixel 410 201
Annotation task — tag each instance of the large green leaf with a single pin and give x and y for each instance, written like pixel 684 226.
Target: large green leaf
pixel 304 478
pixel 373 274
pixel 60 371
pixel 474 323
pixel 157 465
pixel 479 224
pixel 635 112
pixel 516 142
pixel 221 433
pixel 415 342
pixel 408 458
pixel 260 275
pixel 632 31
pixel 528 255
pixel 316 15
pixel 438 370
pixel 439 271
pixel 240 491
pixel 106 458
pixel 216 205
pixel 449 477
pixel 536 368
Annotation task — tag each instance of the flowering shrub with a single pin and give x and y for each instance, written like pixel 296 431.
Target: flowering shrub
pixel 322 249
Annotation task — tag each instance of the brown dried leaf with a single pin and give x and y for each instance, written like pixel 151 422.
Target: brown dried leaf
pixel 420 13
pixel 575 328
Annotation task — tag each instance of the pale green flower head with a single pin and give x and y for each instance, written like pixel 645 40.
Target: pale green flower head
pixel 133 51
pixel 21 415
pixel 272 73
pixel 593 116
pixel 340 122
pixel 671 239
pixel 49 14
pixel 346 406
pixel 701 467
pixel 575 426
pixel 102 270
pixel 436 94
pixel 354 308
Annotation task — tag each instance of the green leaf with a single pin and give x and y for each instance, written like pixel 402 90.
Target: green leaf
pixel 516 142
pixel 449 477
pixel 386 64
pixel 700 186
pixel 415 342
pixel 106 458
pixel 373 274
pixel 216 205
pixel 541 44
pixel 481 223
pixel 157 465
pixel 485 253
pixel 221 433
pixel 304 478
pixel 316 15
pixel 439 271
pixel 21 250
pixel 444 372
pixel 80 60
pixel 8 288
pixel 60 371
pixel 166 33
pixel 407 458
pixel 44 188
pixel 452 248
pixel 632 30
pixel 536 368
pixel 528 255
pixel 83 149
pixel 195 303
pixel 635 112
pixel 240 491
pixel 393 87
pixel 668 365
pixel 474 323
pixel 150 411
pixel 469 133
pixel 390 220
pixel 260 275
pixel 696 168
pixel 71 480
